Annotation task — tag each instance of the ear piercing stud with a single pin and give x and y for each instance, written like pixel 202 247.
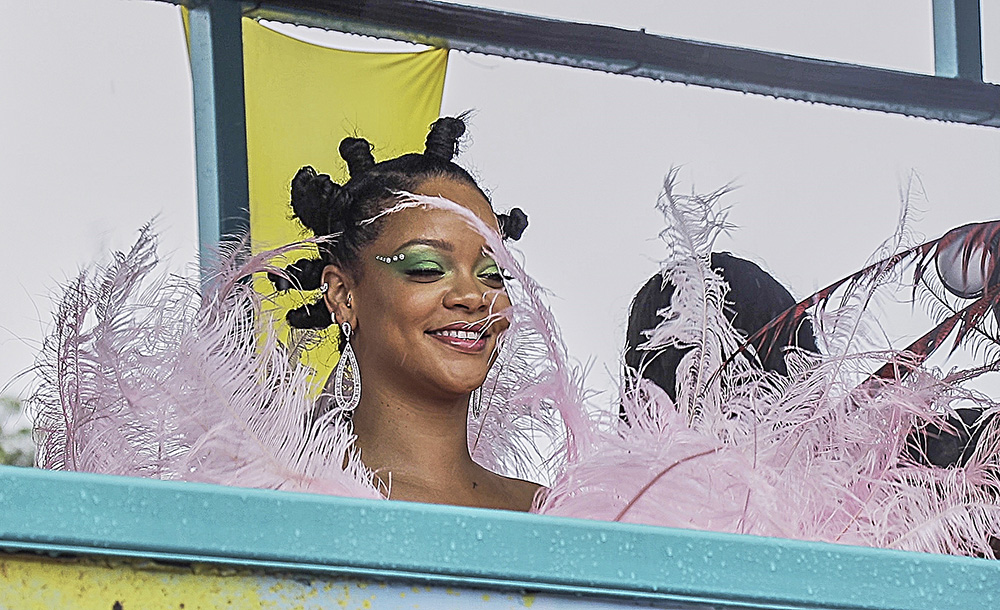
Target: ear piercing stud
pixel 390 259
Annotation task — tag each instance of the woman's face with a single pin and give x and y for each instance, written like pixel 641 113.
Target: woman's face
pixel 427 298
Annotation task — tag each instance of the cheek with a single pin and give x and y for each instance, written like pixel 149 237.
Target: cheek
pixel 402 304
pixel 500 304
pixel 417 301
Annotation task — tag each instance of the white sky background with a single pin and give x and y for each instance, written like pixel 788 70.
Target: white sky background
pixel 96 138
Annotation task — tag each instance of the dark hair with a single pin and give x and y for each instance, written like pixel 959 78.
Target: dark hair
pixel 327 208
pixel 950 443
pixel 755 298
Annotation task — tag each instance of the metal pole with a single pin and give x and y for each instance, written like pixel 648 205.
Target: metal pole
pixel 220 122
pixel 958 43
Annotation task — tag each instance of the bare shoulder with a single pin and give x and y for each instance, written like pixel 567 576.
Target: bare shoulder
pixel 521 493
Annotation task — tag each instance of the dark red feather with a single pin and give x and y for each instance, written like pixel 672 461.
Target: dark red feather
pixel 976 249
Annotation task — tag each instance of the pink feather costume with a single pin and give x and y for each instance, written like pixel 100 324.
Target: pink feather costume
pixel 159 377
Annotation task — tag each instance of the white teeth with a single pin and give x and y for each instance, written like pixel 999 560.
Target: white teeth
pixel 466 335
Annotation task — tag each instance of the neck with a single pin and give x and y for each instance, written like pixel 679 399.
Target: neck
pixel 410 441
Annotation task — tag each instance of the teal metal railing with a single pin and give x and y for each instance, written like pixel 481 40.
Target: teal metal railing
pixel 100 515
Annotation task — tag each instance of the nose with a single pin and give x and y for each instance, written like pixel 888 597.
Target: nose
pixel 466 293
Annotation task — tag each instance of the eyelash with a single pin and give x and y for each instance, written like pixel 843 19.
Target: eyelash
pixel 432 274
pixel 426 273
pixel 498 277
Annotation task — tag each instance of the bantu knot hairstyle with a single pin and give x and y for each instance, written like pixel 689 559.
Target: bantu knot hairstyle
pixel 313 199
pixel 327 208
pixel 358 154
pixel 313 315
pixel 442 141
pixel 303 274
pixel 513 223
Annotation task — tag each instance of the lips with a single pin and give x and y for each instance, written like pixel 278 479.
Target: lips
pixel 463 337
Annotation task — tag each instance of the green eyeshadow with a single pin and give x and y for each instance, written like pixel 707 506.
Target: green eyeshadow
pixel 423 259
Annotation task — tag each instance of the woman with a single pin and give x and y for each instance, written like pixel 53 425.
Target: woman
pixel 174 383
pixel 421 305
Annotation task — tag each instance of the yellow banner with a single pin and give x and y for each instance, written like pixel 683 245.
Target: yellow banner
pixel 301 100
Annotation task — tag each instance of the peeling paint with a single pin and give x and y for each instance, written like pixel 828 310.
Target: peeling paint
pixel 31 583
pixel 34 582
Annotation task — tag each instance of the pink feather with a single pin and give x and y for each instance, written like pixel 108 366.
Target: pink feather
pixel 153 376
pixel 819 455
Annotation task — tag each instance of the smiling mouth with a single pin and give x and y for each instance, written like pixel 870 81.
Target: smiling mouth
pixel 466 341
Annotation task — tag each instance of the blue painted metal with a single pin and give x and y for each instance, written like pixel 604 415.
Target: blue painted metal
pixel 958 46
pixel 445 545
pixel 219 120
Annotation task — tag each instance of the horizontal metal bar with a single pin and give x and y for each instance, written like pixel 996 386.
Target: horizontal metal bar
pixel 637 53
pixel 104 515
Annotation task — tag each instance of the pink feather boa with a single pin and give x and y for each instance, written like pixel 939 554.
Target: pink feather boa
pixel 159 377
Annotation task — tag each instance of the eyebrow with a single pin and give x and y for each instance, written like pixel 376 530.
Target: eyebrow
pixel 440 244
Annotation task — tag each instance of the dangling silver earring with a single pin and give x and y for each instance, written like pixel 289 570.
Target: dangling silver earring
pixel 476 402
pixel 347 380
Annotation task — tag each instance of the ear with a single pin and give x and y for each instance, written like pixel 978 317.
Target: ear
pixel 338 297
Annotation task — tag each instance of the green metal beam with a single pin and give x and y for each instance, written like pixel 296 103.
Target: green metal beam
pixel 217 71
pixel 639 54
